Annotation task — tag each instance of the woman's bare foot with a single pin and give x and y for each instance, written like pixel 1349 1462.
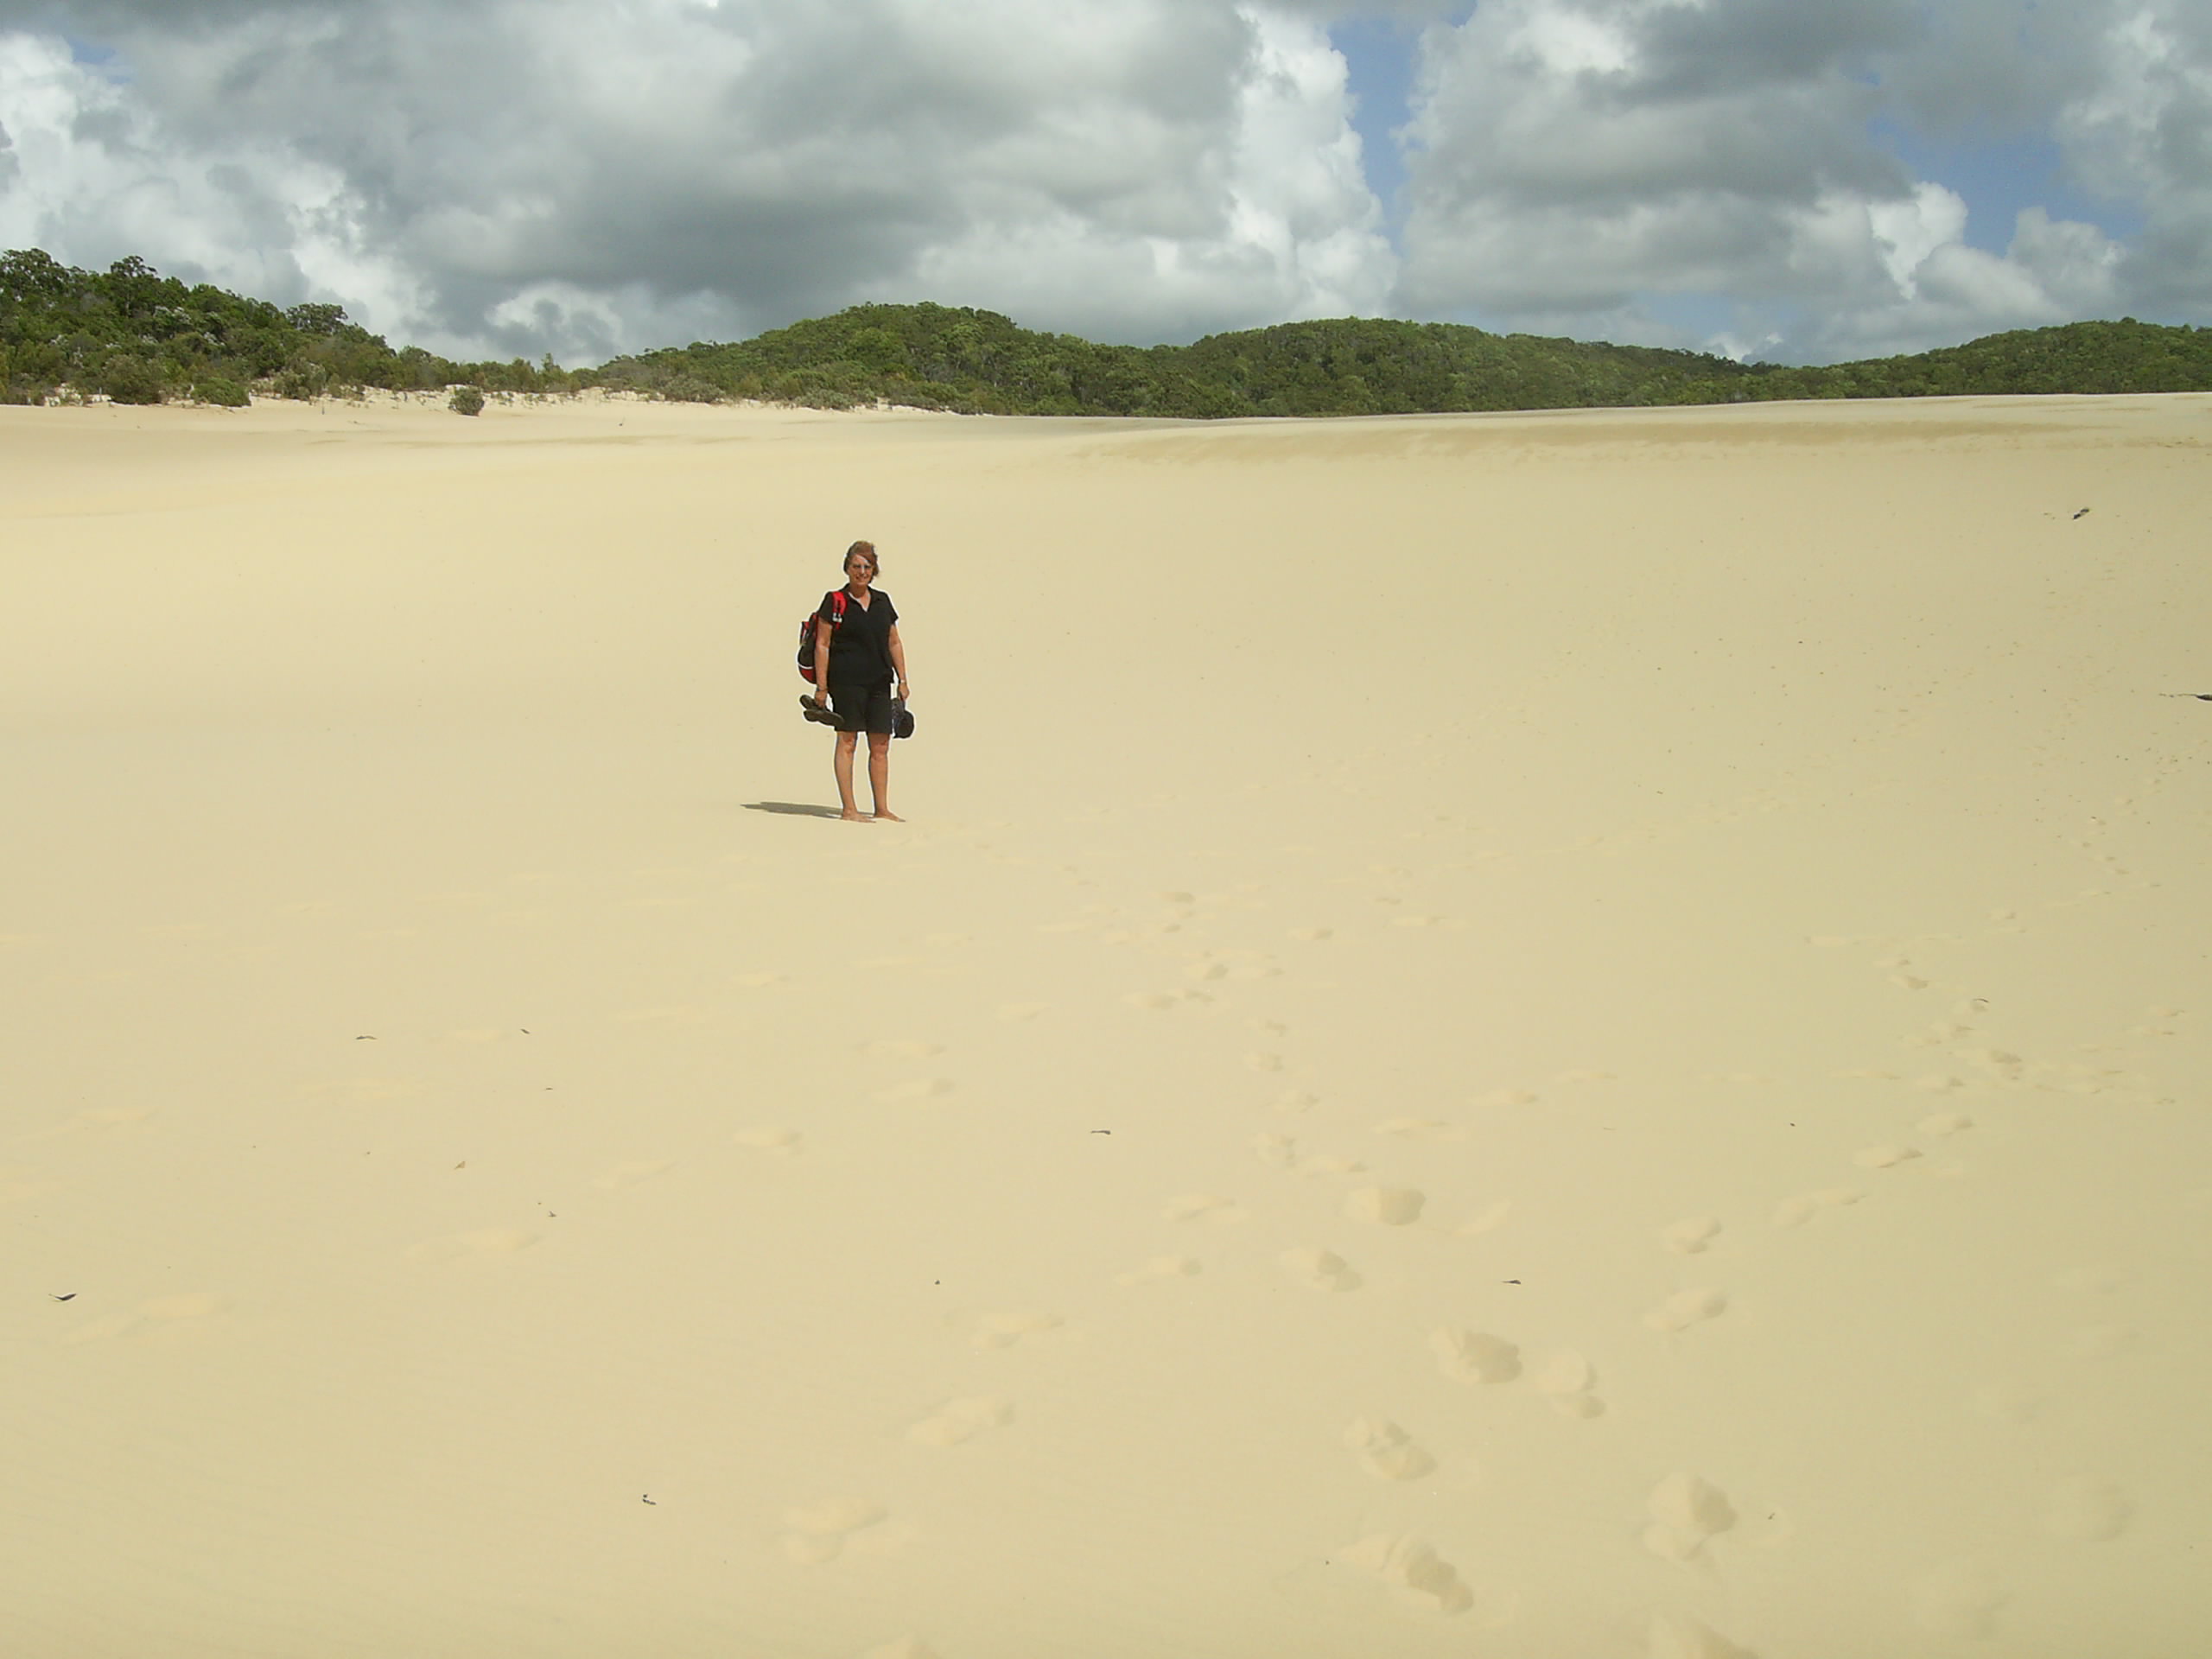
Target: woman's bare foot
pixel 884 817
pixel 851 815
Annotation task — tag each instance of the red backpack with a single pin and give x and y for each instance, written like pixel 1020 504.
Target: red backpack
pixel 806 636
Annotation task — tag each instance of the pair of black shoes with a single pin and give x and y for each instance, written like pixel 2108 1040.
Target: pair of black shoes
pixel 902 718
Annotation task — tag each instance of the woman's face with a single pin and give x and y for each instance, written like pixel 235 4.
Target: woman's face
pixel 858 572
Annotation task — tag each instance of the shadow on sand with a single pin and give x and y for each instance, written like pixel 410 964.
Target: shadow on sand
pixel 791 809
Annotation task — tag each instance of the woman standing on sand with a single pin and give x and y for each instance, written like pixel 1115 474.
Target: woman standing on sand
pixel 857 659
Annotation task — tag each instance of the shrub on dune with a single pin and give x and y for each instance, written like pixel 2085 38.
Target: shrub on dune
pixel 220 391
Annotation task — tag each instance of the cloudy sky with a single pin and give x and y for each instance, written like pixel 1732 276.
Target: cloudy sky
pixel 1799 180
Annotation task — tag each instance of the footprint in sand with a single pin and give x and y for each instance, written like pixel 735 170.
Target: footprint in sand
pixel 1418 1128
pixel 1311 935
pixel 1013 1013
pixel 1320 1269
pixel 2002 1063
pixel 1326 1166
pixel 1204 1206
pixel 2086 1509
pixel 1566 1378
pixel 483 1243
pixel 1385 1206
pixel 902 1094
pixel 905 1647
pixel 1885 1157
pixel 1507 1097
pixel 1957 1598
pixel 1233 964
pixel 1687 1513
pixel 1945 1123
pixel 770 1139
pixel 958 1421
pixel 1296 1100
pixel 1161 1267
pixel 1275 1151
pixel 1160 1001
pixel 1686 1308
pixel 630 1173
pixel 1795 1212
pixel 1474 1356
pixel 1387 1451
pixel 1486 1221
pixel 1674 1635
pixel 1264 1062
pixel 996 1331
pixel 815 1533
pixel 159 1318
pixel 1690 1237
pixel 1412 1566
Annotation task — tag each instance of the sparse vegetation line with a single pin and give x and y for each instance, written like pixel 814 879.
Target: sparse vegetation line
pixel 134 336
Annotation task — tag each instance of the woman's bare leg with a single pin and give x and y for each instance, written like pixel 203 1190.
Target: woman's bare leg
pixel 878 775
pixel 847 742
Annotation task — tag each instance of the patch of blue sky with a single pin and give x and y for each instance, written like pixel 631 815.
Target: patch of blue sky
pixel 1999 177
pixel 105 59
pixel 1379 57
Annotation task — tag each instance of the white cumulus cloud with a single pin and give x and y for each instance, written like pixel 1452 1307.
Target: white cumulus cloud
pixel 520 174
pixel 511 176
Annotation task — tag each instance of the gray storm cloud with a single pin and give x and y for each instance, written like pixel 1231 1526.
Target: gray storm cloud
pixel 1572 159
pixel 519 175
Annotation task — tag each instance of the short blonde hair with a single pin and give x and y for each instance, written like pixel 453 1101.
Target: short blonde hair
pixel 866 550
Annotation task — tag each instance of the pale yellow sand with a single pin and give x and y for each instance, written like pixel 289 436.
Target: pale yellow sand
pixel 1559 1035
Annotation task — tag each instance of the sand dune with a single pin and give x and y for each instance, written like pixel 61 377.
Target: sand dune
pixel 1531 1035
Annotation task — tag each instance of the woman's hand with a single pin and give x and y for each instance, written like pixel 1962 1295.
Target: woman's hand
pixel 902 686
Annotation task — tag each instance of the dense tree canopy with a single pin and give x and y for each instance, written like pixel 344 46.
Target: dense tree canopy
pixel 136 336
pixel 139 337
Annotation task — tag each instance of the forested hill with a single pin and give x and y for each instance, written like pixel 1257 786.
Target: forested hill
pixel 139 337
pixel 136 336
pixel 942 358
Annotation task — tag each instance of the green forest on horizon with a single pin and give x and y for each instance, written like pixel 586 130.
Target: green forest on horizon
pixel 134 336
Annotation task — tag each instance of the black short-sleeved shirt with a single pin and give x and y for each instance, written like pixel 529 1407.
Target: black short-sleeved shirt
pixel 859 647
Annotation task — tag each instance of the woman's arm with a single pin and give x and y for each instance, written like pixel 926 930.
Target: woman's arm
pixel 898 657
pixel 822 635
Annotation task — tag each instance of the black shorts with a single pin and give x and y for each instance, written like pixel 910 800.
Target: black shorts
pixel 862 708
